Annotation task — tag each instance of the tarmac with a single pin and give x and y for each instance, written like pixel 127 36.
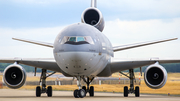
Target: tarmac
pixel 29 95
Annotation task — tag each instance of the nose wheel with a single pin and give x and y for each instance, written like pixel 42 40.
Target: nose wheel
pixel 91 89
pixel 80 93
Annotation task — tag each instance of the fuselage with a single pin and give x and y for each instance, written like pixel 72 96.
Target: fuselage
pixel 82 50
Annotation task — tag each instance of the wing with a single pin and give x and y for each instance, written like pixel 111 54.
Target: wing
pixel 44 63
pixel 126 64
pixel 124 47
pixel 35 42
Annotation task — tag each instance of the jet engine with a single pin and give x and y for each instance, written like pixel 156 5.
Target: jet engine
pixel 14 76
pixel 93 16
pixel 155 76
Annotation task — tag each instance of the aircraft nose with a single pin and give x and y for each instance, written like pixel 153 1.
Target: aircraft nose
pixel 77 63
pixel 76 60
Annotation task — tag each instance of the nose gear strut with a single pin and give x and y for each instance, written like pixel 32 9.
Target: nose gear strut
pixel 80 93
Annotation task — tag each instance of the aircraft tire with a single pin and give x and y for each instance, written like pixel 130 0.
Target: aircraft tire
pixel 82 93
pixel 84 87
pixel 125 91
pixel 137 91
pixel 38 91
pixel 91 91
pixel 76 95
pixel 49 91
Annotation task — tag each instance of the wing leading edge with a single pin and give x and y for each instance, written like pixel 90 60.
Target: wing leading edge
pixel 44 63
pixel 126 64
pixel 124 47
pixel 35 42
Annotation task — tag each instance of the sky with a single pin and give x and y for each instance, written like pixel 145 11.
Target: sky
pixel 126 22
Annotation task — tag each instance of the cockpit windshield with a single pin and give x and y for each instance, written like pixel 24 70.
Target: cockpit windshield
pixel 77 40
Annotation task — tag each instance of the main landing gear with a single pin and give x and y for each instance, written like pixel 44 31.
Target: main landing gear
pixel 131 89
pixel 43 89
pixel 80 93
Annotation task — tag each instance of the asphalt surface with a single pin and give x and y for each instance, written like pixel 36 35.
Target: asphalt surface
pixel 29 95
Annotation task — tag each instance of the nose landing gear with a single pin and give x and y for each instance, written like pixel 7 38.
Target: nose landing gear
pixel 80 93
pixel 91 89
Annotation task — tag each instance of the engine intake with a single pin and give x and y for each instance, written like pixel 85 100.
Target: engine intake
pixel 14 76
pixel 155 76
pixel 93 16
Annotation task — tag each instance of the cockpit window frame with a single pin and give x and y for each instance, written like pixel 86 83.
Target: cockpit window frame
pixel 87 39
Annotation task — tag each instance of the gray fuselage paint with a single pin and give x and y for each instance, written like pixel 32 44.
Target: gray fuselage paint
pixel 96 56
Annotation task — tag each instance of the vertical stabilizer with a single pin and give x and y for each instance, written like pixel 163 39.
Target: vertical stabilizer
pixel 93 3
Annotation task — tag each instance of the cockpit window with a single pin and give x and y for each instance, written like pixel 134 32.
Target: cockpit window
pixel 77 40
pixel 80 39
pixel 72 39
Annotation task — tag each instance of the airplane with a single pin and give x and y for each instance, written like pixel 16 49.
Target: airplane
pixel 82 51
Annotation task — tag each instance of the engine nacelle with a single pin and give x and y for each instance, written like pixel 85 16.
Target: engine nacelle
pixel 94 17
pixel 155 76
pixel 14 76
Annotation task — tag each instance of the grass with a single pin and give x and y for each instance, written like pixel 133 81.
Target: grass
pixel 171 87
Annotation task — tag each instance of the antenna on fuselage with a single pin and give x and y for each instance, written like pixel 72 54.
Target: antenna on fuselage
pixel 93 3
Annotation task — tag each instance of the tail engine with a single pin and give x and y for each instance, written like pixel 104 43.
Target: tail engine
pixel 14 76
pixel 155 76
pixel 93 16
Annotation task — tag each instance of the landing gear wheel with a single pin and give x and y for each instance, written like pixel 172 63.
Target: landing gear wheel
pixel 82 93
pixel 76 93
pixel 91 91
pixel 137 91
pixel 125 91
pixel 49 91
pixel 38 91
pixel 84 87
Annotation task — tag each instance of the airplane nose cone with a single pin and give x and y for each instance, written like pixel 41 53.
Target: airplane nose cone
pixel 77 63
pixel 76 60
